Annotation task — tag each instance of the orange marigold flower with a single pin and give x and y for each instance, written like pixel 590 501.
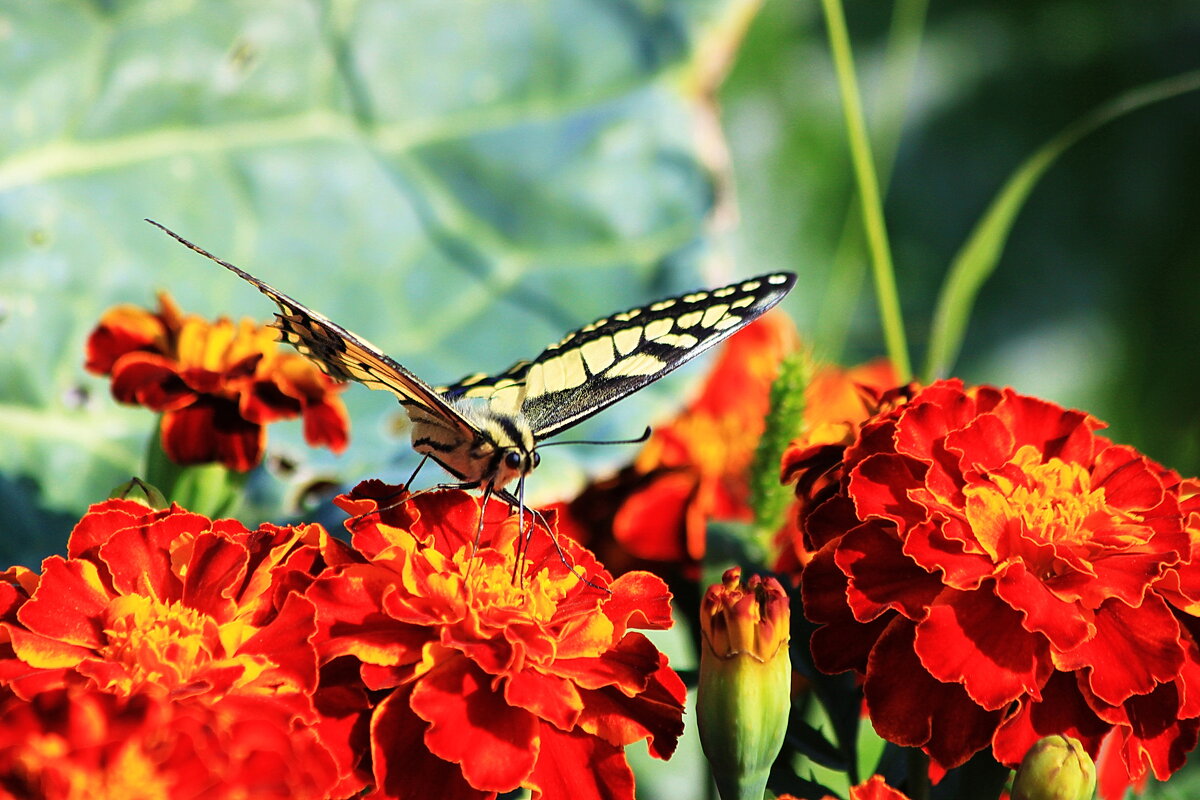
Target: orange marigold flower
pixel 694 468
pixel 216 384
pixel 498 671
pixel 166 600
pixel 998 572
pixel 83 744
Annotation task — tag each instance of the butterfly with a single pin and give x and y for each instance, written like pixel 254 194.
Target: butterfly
pixel 485 429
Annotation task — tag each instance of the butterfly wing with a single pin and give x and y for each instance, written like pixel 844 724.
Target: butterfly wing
pixel 343 355
pixel 601 363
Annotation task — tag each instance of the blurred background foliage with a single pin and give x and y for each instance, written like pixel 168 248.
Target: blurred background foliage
pixel 462 181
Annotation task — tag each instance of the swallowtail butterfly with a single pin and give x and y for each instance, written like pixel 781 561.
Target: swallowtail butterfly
pixel 485 429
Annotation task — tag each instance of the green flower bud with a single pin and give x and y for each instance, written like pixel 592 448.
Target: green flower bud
pixel 1056 768
pixel 745 681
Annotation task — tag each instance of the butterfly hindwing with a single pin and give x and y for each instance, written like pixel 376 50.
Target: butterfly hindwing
pixel 597 365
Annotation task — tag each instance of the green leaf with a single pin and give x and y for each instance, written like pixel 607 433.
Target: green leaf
pixel 980 254
pixel 459 182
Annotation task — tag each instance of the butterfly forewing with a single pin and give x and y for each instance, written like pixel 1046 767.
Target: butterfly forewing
pixel 341 354
pixel 597 365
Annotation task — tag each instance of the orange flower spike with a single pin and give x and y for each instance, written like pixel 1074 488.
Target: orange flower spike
pixel 745 679
pixel 216 384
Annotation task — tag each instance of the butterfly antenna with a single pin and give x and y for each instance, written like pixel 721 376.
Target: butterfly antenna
pixel 645 435
pixel 420 464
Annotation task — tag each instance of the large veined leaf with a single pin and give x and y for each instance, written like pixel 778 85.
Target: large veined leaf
pixel 460 182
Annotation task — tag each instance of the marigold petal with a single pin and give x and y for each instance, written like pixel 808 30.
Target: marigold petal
pixel 551 698
pixel 1126 478
pixel 212 430
pixel 1133 650
pixel 68 603
pixel 974 639
pixel 122 329
pixel 1054 431
pixel 1066 625
pixel 652 522
pixel 881 484
pixel 909 707
pixel 216 564
pixel 471 725
pixel 286 641
pixel 327 423
pixel 1156 735
pixel 881 576
pixel 41 652
pixel 102 520
pixel 350 621
pixel 656 714
pixel 404 767
pixel 150 380
pixel 579 767
pixel 639 600
pixel 1061 710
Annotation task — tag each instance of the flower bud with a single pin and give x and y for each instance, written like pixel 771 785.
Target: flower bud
pixel 1055 768
pixel 745 680
pixel 139 491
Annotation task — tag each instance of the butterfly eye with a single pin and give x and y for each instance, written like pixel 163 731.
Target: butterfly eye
pixel 535 458
pixel 512 459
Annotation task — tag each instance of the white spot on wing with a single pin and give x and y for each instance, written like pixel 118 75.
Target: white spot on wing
pixel 628 339
pixel 689 319
pixel 507 399
pixel 636 365
pixel 657 328
pixel 713 313
pixel 726 322
pixel 598 354
pixel 742 302
pixel 684 341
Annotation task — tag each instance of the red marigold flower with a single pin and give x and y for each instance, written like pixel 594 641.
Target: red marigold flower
pixel 82 743
pixel 499 671
pixel 216 384
pixel 998 572
pixel 694 468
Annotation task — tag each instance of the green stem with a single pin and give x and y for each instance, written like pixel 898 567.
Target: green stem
pixel 868 189
pixel 887 112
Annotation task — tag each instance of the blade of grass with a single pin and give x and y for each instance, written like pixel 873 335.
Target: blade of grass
pixel 868 189
pixel 978 257
pixel 900 57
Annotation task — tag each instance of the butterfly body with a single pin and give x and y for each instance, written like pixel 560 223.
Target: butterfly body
pixel 485 429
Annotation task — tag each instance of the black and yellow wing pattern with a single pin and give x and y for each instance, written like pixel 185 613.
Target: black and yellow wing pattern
pixel 597 365
pixel 484 429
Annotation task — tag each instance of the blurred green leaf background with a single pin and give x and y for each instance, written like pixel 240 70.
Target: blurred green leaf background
pixel 463 181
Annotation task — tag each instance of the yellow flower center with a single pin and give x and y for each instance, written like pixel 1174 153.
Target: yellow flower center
pixel 46 764
pixel 161 644
pixel 1050 517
